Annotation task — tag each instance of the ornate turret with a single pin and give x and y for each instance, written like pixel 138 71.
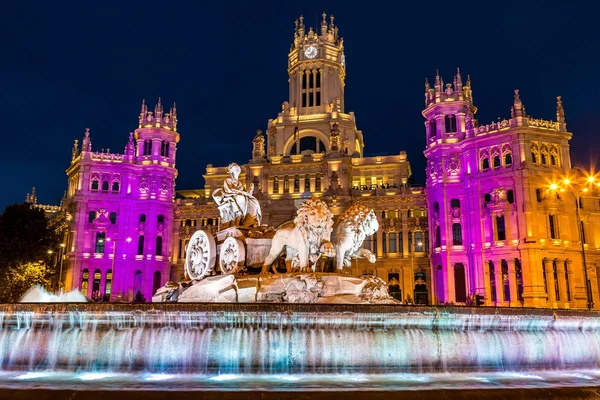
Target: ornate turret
pixel 75 150
pixel 158 119
pixel 258 146
pixel 560 114
pixel 86 145
pixel 31 198
pixel 130 146
pixel 450 92
pixel 518 109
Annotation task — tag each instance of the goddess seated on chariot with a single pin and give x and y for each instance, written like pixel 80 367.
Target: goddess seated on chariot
pixel 237 206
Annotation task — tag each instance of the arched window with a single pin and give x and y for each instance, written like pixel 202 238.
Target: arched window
pixel 497 162
pixel 91 216
pixel 147 147
pixel 534 157
pixel 456 234
pixel 418 241
pixel 519 276
pixel 493 281
pixel 156 282
pixel 105 187
pixel 543 158
pixel 507 159
pixel 485 164
pixel 450 123
pixel 552 160
pixel 159 245
pixel 140 245
pixel 137 282
pixel 96 284
pixel 115 187
pixel 100 242
pixel 505 281
pixel 432 129
pixel 113 218
pixel 108 283
pixel 95 185
pixel 85 276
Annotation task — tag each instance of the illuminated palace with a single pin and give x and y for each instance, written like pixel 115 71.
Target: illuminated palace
pixel 499 220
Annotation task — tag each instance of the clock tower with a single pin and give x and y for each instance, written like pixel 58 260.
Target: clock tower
pixel 316 66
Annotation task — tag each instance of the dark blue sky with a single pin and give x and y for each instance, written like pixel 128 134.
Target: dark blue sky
pixel 66 67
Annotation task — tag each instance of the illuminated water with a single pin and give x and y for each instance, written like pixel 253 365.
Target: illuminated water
pixel 282 347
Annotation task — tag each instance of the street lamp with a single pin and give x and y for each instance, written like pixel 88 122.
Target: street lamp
pixel 567 184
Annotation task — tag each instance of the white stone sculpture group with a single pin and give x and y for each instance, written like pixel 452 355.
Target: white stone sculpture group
pixel 243 242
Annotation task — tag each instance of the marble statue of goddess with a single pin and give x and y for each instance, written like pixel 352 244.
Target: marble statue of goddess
pixel 243 202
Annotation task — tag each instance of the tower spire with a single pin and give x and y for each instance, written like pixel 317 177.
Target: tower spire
pixel 86 145
pixel 518 109
pixel 560 111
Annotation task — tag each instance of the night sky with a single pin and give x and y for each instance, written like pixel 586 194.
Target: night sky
pixel 65 67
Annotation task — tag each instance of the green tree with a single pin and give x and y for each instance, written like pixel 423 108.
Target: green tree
pixel 25 239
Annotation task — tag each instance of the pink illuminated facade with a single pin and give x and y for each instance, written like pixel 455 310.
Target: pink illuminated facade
pixel 121 208
pixel 500 225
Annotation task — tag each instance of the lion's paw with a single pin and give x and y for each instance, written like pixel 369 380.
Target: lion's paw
pixel 328 249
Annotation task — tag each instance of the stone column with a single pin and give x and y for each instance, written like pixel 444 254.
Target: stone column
pixel 313 180
pixel 550 282
pixel 562 282
pixel 487 283
pixel 512 283
pixel 379 249
pixel 499 282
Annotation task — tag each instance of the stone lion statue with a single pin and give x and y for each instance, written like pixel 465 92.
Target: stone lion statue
pixel 349 233
pixel 305 239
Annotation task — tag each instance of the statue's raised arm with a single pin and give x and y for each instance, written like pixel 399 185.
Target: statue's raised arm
pixel 237 205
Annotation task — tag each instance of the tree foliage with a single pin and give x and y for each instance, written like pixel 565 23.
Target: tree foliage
pixel 25 239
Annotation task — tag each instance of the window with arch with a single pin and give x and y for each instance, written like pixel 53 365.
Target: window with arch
pixel 108 283
pixel 275 185
pixel 534 158
pixel 392 242
pixel 493 281
pixel 164 148
pixel 100 242
pixel 85 276
pixel 115 187
pixel 505 280
pixel 307 183
pixel 507 159
pixel 450 123
pixel 419 241
pixel 456 234
pixel 159 245
pixel 519 276
pixel 543 158
pixel 485 164
pixel 432 129
pixel 147 147
pixel 113 218
pixel 497 162
pixel 553 160
pixel 286 184
pixel 105 186
pixel 137 282
pixel 95 185
pixel 96 284
pixel 140 249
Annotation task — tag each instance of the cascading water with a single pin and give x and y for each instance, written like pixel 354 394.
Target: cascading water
pixel 293 341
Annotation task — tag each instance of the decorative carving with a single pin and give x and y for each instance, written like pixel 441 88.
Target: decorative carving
pixel 453 166
pixel 335 138
pixel 349 233
pixel 417 223
pixel 232 255
pixel 236 204
pixel 305 239
pixel 143 185
pixel 164 186
pixel 258 145
pixel 200 255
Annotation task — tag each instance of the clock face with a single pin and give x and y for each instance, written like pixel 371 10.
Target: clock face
pixel 310 52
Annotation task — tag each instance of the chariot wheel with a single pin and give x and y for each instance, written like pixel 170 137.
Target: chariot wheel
pixel 200 255
pixel 232 256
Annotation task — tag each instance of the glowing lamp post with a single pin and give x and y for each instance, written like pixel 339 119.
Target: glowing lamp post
pixel 578 189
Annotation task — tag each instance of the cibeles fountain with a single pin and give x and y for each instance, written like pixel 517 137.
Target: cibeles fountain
pixel 220 266
pixel 262 313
